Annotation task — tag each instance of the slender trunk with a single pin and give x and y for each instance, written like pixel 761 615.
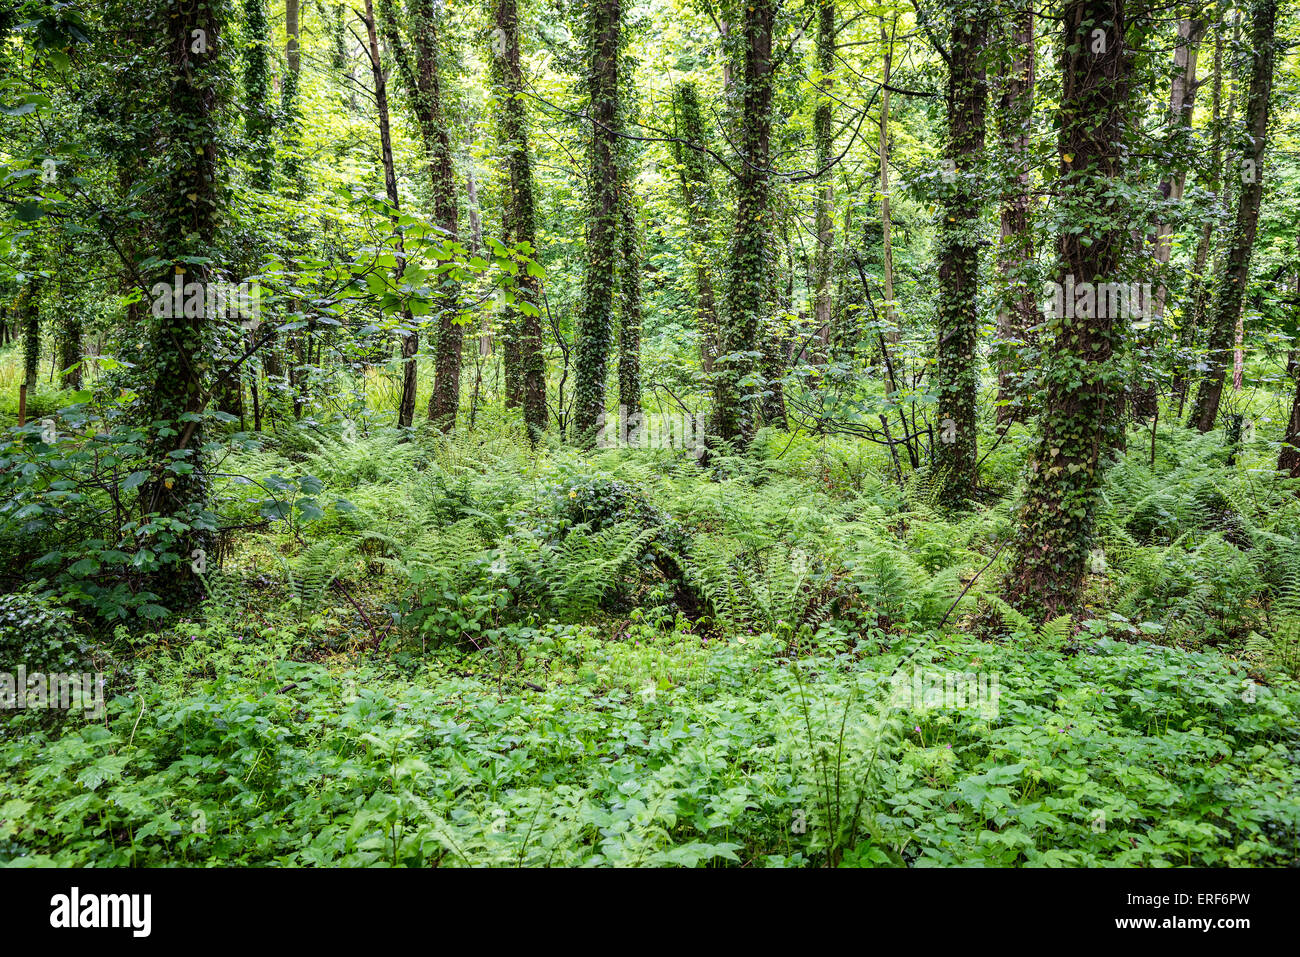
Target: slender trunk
pixel 475 244
pixel 956 374
pixel 886 219
pixel 1288 458
pixel 410 340
pixel 697 192
pixel 29 318
pixel 746 282
pixel 595 332
pixel 1231 288
pixel 1182 105
pixel 1019 312
pixel 823 126
pixel 629 325
pixel 524 360
pixel 70 347
pixel 257 90
pixel 291 124
pixel 1198 296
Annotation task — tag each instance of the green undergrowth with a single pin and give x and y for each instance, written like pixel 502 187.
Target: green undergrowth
pixel 420 651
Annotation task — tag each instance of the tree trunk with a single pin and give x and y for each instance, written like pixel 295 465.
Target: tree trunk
pixel 1288 458
pixel 956 374
pixel 70 346
pixel 179 339
pixel 1019 311
pixel 411 340
pixel 524 360
pixel 629 325
pixel 257 91
pixel 1194 317
pixel 595 323
pixel 1230 288
pixel 823 129
pixel 1182 104
pixel 29 319
pixel 698 195
pixel 291 124
pixel 1078 427
pixel 892 333
pixel 747 268
pixel 445 400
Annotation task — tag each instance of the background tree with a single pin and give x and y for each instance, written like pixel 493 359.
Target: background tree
pixel 1018 312
pixel 1230 289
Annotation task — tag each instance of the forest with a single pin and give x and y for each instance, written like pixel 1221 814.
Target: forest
pixel 649 433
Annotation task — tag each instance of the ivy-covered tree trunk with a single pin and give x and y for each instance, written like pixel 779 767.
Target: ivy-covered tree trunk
pixel 956 374
pixel 698 195
pixel 523 360
pixel 595 322
pixel 629 321
pixel 1078 427
pixel 823 132
pixel 258 120
pixel 847 337
pixel 426 99
pixel 1018 312
pixel 193 199
pixel 410 337
pixel 1230 286
pixel 747 284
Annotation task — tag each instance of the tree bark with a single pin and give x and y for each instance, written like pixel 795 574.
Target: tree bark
pixel 1230 289
pixel 525 363
pixel 629 325
pixel 1182 105
pixel 697 192
pixel 1194 318
pixel 1078 427
pixel 823 128
pixel 892 333
pixel 1288 458
pixel 411 339
pixel 746 281
pixel 1019 311
pixel 595 323
pixel 956 374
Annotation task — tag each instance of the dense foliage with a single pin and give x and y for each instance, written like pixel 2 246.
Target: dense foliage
pixel 671 432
